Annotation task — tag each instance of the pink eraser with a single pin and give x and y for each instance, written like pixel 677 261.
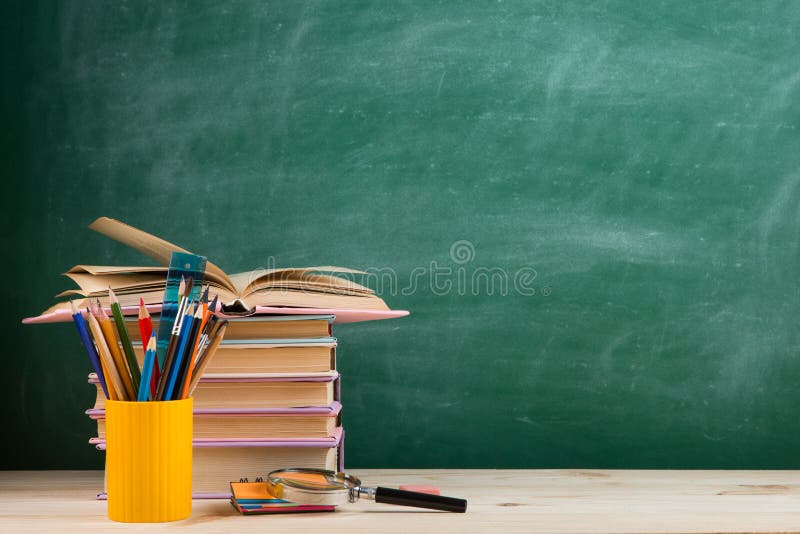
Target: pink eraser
pixel 421 488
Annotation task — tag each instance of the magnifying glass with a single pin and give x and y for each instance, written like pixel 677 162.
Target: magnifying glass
pixel 329 488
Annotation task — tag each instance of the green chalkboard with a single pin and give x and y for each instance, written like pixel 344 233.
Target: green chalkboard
pixel 591 209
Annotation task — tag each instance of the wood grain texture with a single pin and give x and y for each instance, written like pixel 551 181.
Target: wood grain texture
pixel 576 501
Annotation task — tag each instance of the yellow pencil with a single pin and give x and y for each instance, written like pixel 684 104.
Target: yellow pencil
pixel 113 379
pixel 110 333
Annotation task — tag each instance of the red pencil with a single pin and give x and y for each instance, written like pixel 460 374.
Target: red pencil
pixel 145 330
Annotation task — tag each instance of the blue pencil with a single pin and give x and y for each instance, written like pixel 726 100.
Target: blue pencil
pixel 174 371
pixel 89 346
pixel 147 369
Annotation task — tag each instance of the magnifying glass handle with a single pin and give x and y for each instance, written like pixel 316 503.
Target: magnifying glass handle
pixel 420 500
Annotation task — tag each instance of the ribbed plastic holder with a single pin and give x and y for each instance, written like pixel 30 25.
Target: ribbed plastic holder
pixel 149 460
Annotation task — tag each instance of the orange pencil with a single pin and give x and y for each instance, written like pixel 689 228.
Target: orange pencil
pixel 104 362
pixel 115 382
pixel 190 368
pixel 110 333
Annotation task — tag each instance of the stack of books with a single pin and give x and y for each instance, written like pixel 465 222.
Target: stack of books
pixel 270 398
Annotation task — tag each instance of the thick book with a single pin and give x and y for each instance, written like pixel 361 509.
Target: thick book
pixel 261 327
pixel 290 390
pixel 256 357
pixel 305 287
pixel 255 423
pixel 215 463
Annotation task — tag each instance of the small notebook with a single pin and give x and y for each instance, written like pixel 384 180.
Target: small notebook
pixel 251 498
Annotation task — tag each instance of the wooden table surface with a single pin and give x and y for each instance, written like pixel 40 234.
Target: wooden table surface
pixel 499 501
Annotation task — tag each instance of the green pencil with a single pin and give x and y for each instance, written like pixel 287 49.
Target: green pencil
pixel 126 341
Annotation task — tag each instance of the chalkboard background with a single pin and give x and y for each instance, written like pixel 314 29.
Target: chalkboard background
pixel 630 170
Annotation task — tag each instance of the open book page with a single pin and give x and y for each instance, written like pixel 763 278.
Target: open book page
pixel 127 280
pixel 303 278
pixel 335 282
pixel 154 247
pixel 242 280
pixel 103 293
pixel 91 283
pixel 313 299
pixel 118 269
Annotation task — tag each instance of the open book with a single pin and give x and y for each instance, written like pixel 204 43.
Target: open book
pixel 307 287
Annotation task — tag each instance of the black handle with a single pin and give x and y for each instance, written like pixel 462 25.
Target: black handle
pixel 420 500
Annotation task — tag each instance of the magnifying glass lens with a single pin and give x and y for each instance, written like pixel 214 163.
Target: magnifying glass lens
pixel 313 480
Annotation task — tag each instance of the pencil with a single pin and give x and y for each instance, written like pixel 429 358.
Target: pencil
pixel 208 336
pixel 165 359
pixel 147 369
pixel 94 358
pixel 212 326
pixel 169 356
pixel 145 322
pixel 125 340
pixel 204 300
pixel 208 354
pixel 145 330
pixel 187 361
pixel 110 333
pixel 188 377
pixel 104 363
pixel 177 363
pixel 213 305
pixel 115 383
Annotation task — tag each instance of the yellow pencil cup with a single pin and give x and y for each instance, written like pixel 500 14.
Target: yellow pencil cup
pixel 149 460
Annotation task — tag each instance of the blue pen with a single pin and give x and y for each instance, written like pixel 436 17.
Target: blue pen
pixel 89 346
pixel 183 338
pixel 147 369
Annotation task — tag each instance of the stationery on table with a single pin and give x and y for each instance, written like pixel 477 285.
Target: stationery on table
pixel 269 401
pixel 252 498
pixel 149 457
pixel 268 398
pixel 193 339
